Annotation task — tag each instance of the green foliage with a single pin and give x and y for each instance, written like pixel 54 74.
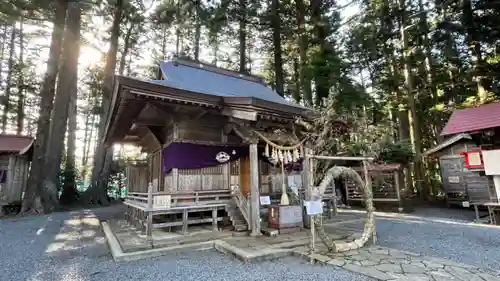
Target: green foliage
pixel 400 152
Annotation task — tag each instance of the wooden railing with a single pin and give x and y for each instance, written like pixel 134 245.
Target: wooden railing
pixel 177 199
pixel 145 205
pixel 244 205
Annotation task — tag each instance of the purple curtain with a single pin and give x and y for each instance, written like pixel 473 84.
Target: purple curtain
pixel 197 156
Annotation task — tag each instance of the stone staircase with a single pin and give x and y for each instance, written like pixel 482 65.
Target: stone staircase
pixel 236 217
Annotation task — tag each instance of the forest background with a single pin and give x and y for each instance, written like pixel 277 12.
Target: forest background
pixel 393 70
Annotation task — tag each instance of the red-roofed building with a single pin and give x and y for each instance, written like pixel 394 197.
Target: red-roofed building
pixel 474 119
pixel 469 131
pixel 482 123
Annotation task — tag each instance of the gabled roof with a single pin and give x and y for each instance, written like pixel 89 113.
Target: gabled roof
pixel 15 143
pixel 473 119
pixel 206 79
pixel 447 143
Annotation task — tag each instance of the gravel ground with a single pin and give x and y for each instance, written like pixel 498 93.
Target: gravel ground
pixel 55 248
pixel 474 245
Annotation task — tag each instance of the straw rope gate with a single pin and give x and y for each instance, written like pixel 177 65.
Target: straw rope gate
pixel 286 154
pixel 369 227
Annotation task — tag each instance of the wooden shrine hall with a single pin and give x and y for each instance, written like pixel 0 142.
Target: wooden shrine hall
pixel 203 129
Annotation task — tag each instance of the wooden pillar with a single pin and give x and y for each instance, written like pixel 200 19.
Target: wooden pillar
pixel 161 175
pixel 175 171
pixel 214 219
pixel 184 221
pixel 306 177
pixel 254 190
pixel 226 168
pixel 149 214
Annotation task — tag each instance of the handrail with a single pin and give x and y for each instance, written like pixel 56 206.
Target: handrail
pixel 243 204
pixel 183 192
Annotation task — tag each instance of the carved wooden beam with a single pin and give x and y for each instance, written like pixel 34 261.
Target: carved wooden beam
pixel 227 128
pixel 244 133
pixel 240 114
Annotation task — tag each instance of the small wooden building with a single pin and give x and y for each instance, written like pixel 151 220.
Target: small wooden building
pixel 200 125
pixel 460 184
pixel 15 157
pixel 472 130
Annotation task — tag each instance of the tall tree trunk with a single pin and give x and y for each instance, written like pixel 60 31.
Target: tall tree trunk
pixel 70 193
pixel 20 80
pixel 197 32
pixel 303 46
pixel 90 128
pixel 34 190
pixel 163 41
pixel 86 131
pixel 126 48
pixel 474 45
pixel 319 39
pixel 429 68
pixel 65 94
pixel 278 59
pixel 242 16
pixel 8 84
pixel 415 125
pixel 103 155
pixel 177 29
pixel 296 78
pixel 2 50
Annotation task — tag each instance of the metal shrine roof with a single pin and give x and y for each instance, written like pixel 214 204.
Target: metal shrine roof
pixel 15 143
pixel 210 80
pixel 473 119
pixel 447 143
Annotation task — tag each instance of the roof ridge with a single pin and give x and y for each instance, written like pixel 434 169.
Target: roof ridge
pixel 496 103
pixel 14 135
pixel 218 70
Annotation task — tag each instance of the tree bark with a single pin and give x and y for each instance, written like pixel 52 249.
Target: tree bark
pixel 86 131
pixel 126 48
pixel 278 59
pixel 66 91
pixel 322 83
pixel 415 125
pixel 296 77
pixel 242 15
pixel 103 155
pixel 197 32
pixel 429 68
pixel 69 193
pixel 20 80
pixel 34 191
pixel 474 46
pixel 2 50
pixel 303 46
pixel 178 29
pixel 8 82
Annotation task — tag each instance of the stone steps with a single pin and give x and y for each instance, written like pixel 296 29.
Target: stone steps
pixel 237 219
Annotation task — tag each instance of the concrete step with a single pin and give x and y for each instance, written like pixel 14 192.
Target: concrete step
pixel 241 228
pixel 237 217
pixel 235 222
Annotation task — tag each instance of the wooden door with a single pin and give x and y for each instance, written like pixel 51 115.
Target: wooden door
pixel 245 175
